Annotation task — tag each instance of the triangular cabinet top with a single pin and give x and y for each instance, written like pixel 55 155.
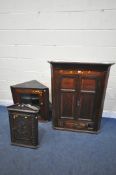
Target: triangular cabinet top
pixel 80 63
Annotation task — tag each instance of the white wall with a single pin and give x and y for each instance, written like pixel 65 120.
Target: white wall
pixel 34 31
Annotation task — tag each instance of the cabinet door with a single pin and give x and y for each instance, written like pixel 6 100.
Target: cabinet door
pixel 87 98
pixel 21 128
pixel 67 97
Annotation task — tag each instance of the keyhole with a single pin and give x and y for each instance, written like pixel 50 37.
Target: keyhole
pixel 78 103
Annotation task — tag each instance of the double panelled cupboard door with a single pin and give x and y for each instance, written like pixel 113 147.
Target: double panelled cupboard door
pixel 78 93
pixel 76 97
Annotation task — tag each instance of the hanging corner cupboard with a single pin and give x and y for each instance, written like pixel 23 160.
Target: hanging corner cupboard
pixel 78 93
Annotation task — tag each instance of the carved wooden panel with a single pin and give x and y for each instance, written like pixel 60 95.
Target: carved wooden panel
pixel 23 125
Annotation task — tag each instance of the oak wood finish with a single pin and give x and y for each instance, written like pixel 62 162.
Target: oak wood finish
pixel 78 92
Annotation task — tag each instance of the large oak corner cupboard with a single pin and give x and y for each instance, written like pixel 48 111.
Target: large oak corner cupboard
pixel 78 92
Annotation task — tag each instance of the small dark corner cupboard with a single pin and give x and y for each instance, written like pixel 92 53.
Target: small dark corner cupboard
pixel 34 93
pixel 78 92
pixel 23 121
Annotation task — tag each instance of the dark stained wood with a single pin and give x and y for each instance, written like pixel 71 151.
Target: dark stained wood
pixel 33 87
pixel 23 126
pixel 78 92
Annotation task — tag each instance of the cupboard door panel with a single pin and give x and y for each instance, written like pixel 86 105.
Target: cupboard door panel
pixel 87 103
pixel 87 97
pixel 67 96
pixel 22 127
pixel 68 83
pixel 88 84
pixel 67 104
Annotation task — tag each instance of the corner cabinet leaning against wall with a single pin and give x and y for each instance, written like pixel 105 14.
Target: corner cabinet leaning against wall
pixel 78 92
